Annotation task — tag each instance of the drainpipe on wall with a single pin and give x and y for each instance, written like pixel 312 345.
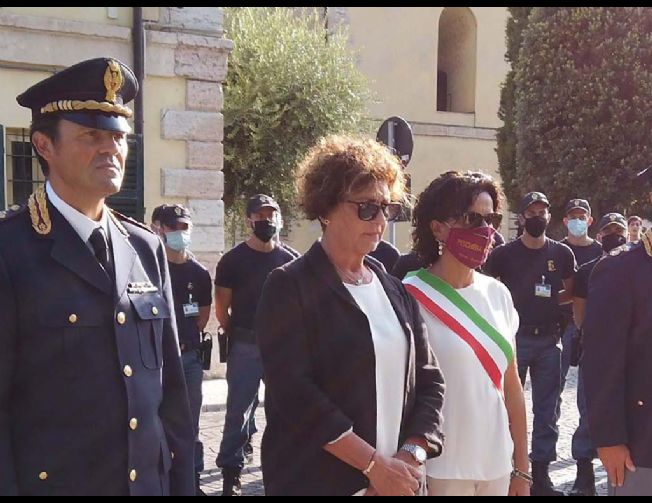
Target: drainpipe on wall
pixel 138 36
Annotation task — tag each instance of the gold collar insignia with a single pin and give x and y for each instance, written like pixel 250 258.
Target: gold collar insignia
pixel 38 212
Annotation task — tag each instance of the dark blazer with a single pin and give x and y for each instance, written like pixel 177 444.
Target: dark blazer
pixel 617 358
pixel 320 376
pixel 74 420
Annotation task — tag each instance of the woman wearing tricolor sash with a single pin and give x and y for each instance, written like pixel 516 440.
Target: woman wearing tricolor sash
pixel 471 324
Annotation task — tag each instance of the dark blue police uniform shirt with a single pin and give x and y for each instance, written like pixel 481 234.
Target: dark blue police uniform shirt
pixel 191 282
pixel 583 255
pixel 521 268
pixel 244 270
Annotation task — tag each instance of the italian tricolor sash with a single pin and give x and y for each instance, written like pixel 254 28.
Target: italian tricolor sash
pixel 441 300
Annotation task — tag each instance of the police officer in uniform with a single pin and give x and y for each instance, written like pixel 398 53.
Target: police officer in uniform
pixel 92 394
pixel 538 272
pixel 617 364
pixel 191 290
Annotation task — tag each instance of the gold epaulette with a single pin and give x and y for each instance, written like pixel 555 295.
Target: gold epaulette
pixel 117 217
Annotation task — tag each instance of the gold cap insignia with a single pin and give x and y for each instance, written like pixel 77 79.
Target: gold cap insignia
pixel 612 217
pixel 535 197
pixel 577 202
pixel 177 210
pixel 113 80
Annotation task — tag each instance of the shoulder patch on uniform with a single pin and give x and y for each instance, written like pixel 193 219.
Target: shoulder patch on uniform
pixel 118 217
pixel 12 211
pixel 617 251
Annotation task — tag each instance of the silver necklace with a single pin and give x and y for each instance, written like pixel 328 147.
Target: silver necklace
pixel 349 278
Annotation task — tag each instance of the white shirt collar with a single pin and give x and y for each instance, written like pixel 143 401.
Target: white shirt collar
pixel 83 225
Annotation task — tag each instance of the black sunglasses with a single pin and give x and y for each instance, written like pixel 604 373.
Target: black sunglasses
pixel 368 210
pixel 472 219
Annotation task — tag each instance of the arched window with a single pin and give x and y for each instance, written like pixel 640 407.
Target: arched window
pixel 456 60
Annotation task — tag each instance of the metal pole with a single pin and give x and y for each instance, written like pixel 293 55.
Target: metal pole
pixel 390 140
pixel 139 67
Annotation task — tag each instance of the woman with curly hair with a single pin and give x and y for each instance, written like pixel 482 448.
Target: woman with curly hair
pixel 353 391
pixel 471 324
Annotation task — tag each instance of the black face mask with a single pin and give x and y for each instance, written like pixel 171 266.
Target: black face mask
pixel 536 226
pixel 612 241
pixel 264 230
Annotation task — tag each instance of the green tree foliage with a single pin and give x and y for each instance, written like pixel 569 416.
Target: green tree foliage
pixel 584 106
pixel 506 136
pixel 288 84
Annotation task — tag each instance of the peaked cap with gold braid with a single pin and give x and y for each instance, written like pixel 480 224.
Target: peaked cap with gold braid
pixel 92 93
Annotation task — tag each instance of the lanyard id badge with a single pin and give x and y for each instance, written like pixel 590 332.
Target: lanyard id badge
pixel 543 289
pixel 191 309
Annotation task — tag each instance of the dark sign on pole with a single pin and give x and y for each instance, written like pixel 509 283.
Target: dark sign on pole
pixel 396 133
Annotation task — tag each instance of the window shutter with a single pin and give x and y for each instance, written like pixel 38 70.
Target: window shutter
pixel 130 200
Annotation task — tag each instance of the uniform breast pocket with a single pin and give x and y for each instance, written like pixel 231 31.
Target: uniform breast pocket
pixel 152 312
pixel 86 338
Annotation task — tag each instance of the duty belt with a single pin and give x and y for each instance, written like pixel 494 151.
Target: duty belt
pixel 552 328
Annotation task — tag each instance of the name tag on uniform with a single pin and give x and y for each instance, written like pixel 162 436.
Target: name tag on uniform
pixel 543 289
pixel 190 310
pixel 141 287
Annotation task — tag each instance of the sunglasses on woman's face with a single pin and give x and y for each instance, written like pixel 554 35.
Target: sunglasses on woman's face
pixel 472 219
pixel 368 211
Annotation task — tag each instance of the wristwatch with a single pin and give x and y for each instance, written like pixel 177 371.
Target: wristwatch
pixel 418 452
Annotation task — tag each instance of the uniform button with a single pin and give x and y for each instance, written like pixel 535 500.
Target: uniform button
pixel 133 475
pixel 43 475
pixel 154 310
pixel 172 454
pixel 133 423
pixel 121 318
pixel 127 371
pixel 72 318
pixel 640 402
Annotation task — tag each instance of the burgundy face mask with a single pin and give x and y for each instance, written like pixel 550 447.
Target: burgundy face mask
pixel 470 246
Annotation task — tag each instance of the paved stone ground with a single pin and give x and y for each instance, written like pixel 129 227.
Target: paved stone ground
pixel 562 472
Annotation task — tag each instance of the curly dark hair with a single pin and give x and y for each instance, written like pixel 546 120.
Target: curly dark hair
pixel 338 165
pixel 448 196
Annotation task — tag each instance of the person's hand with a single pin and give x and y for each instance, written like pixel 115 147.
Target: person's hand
pixel 615 459
pixel 408 458
pixel 393 477
pixel 519 487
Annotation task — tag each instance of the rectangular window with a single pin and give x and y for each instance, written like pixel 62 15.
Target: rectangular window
pixel 23 172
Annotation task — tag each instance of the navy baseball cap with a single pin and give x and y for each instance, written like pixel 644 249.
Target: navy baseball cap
pixel 531 198
pixel 260 201
pixel 612 218
pixel 172 214
pixel 575 204
pixel 92 93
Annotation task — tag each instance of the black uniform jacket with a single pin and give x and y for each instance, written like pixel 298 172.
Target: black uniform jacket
pixel 92 392
pixel 617 359
pixel 320 376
